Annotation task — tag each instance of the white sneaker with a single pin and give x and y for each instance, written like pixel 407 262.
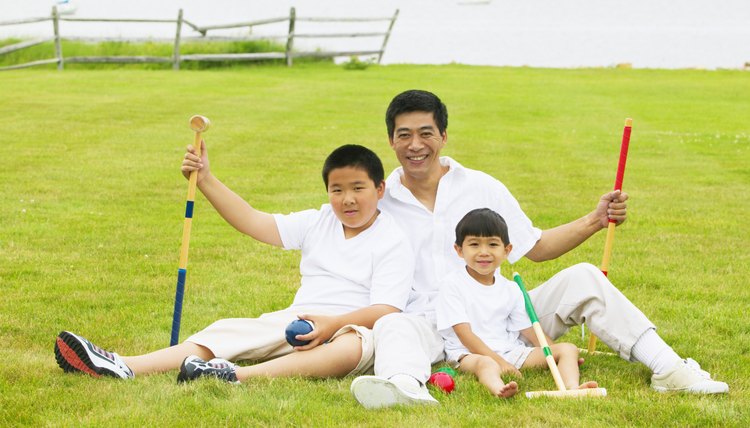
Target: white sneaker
pixel 374 391
pixel 687 376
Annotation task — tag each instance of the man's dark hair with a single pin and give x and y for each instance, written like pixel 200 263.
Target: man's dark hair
pixel 355 156
pixel 482 222
pixel 416 100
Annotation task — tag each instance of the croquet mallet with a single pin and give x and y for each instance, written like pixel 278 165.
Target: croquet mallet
pixel 611 226
pixel 561 392
pixel 199 124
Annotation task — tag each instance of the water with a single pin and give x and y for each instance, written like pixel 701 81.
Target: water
pixel 539 33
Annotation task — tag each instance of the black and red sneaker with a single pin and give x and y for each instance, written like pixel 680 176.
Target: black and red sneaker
pixel 194 367
pixel 76 354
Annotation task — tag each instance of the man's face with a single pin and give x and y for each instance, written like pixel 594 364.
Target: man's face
pixel 417 143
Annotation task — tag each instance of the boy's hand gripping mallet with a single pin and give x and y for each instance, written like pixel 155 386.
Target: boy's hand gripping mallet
pixel 561 392
pixel 199 124
pixel 611 226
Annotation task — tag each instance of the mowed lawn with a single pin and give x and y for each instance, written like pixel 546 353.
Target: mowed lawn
pixel 93 206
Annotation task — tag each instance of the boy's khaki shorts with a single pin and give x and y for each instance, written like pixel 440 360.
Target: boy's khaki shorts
pixel 262 339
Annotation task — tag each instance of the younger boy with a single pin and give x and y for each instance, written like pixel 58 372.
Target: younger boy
pixel 481 315
pixel 356 266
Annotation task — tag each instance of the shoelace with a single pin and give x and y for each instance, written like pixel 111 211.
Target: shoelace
pixel 103 352
pixel 694 366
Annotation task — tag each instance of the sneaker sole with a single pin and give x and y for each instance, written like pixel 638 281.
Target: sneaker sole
pixel 71 356
pixel 701 388
pixel 374 393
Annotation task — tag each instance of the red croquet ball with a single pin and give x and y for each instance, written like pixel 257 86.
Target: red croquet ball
pixel 444 381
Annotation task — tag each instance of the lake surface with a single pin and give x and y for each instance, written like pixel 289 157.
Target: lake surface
pixel 538 33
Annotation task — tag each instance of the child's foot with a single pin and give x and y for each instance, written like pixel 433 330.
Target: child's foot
pixel 589 384
pixel 76 354
pixel 194 367
pixel 508 390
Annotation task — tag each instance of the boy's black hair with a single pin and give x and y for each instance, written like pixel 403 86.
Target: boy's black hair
pixel 355 156
pixel 416 100
pixel 482 222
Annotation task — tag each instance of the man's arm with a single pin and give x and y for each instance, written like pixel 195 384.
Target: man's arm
pixel 476 345
pixel 327 325
pixel 559 240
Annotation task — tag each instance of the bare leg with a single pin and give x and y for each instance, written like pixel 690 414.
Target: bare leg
pixel 566 356
pixel 166 359
pixel 487 372
pixel 335 359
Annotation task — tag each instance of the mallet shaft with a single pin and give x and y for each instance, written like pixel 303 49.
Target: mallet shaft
pixel 624 145
pixel 198 124
pixel 540 334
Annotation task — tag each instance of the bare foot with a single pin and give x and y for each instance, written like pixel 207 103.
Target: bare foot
pixel 508 390
pixel 589 384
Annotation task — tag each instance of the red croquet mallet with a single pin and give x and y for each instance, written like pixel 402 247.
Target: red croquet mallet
pixel 611 227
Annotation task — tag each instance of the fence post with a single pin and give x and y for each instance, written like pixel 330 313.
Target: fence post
pixel 176 53
pixel 58 44
pixel 387 36
pixel 290 37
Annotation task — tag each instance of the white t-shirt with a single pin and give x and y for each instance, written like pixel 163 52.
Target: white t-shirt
pixel 432 234
pixel 341 275
pixel 495 312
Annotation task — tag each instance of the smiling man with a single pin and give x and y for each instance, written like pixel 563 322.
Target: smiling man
pixel 427 196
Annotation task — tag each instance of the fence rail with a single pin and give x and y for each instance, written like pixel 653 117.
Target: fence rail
pixel 176 59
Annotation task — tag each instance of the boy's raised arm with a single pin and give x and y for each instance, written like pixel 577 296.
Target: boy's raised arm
pixel 235 210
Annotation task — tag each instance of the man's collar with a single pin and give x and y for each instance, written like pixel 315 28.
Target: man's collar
pixel 394 184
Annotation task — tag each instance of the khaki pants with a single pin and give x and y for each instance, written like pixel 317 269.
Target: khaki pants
pixel 262 339
pixel 409 344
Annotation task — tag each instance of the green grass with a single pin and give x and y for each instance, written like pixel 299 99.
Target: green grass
pixel 93 207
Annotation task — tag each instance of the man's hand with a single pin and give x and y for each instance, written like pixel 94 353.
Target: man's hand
pixel 612 206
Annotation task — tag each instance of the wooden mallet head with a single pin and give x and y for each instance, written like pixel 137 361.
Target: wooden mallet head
pixel 199 123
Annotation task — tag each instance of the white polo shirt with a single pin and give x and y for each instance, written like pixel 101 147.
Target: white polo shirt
pixel 341 275
pixel 432 234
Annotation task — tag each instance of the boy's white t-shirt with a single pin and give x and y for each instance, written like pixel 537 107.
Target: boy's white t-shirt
pixel 342 275
pixel 495 312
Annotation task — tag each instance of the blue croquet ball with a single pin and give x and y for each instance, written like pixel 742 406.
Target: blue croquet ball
pixel 298 327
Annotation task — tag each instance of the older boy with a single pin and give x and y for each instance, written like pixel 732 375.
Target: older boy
pixel 356 266
pixel 427 196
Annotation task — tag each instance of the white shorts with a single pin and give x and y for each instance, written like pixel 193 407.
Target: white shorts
pixel 263 338
pixel 516 356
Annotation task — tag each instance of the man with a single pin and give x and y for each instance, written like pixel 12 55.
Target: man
pixel 428 195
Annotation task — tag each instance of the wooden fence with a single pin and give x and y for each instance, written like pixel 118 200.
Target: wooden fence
pixel 288 54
